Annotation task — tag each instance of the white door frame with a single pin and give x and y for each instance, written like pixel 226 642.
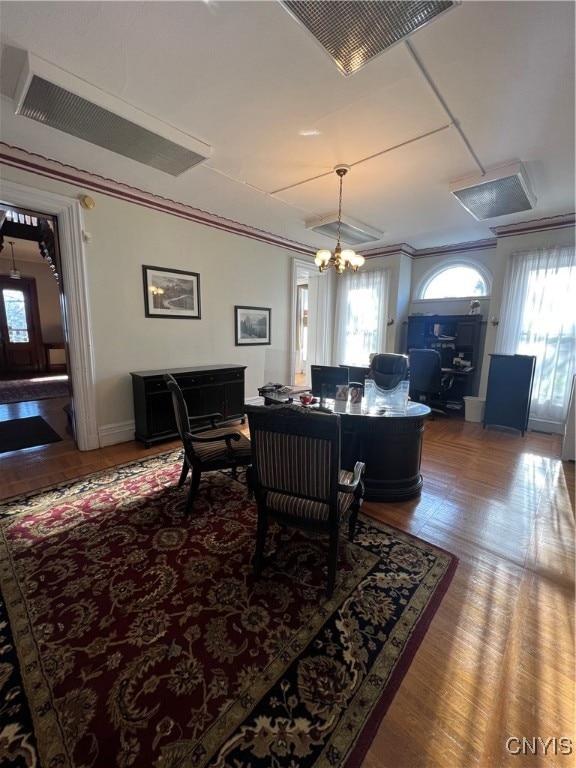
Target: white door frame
pixel 315 355
pixel 76 312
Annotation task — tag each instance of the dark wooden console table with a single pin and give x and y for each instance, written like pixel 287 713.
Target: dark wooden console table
pixel 206 389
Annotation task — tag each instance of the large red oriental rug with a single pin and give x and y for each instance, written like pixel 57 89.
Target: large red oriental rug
pixel 135 636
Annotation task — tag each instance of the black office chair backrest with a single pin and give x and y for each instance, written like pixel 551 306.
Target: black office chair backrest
pixel 388 369
pixel 425 370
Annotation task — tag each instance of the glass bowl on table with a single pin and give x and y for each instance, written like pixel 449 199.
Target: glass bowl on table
pixel 306 398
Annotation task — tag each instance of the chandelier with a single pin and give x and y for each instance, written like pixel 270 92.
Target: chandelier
pixel 341 258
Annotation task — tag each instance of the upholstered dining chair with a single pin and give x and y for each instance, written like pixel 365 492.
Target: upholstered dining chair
pixel 296 477
pixel 388 369
pixel 215 447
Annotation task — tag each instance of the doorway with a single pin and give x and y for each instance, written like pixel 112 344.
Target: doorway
pixel 67 213
pixel 311 335
pixel 32 325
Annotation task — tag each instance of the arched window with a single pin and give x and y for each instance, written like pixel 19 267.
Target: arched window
pixel 455 279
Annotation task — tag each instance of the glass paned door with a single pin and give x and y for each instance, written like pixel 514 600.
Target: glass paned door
pixel 15 310
pixel 21 349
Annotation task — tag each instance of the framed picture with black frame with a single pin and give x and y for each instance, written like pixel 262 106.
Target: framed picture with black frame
pixel 171 293
pixel 252 326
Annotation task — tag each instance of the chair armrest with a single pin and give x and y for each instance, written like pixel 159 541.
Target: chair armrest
pixel 211 417
pixel 227 437
pixel 350 487
pixel 447 381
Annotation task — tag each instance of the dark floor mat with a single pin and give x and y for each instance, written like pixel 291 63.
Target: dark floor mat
pixel 16 434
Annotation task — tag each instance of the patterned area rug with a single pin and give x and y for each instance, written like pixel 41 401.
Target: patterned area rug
pixel 135 636
pixel 24 390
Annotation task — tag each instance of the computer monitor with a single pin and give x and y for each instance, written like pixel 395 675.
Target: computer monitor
pixel 325 379
pixel 357 372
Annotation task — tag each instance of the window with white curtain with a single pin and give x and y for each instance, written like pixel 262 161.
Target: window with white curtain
pixel 538 319
pixel 361 312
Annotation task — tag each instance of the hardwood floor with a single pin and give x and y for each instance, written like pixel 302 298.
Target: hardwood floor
pixel 28 470
pixel 497 663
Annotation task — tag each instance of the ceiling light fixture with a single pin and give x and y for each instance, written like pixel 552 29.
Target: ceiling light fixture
pixel 355 31
pixel 498 192
pixel 14 274
pixel 341 259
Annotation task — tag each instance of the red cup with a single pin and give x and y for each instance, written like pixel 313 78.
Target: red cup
pixel 306 398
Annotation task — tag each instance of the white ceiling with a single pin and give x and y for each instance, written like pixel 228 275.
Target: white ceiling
pixel 248 80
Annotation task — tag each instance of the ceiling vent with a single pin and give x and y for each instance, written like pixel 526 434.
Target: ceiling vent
pixel 62 101
pixel 351 232
pixel 499 192
pixel 354 32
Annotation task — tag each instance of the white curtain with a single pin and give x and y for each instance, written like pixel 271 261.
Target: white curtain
pixel 319 320
pixel 538 318
pixel 361 313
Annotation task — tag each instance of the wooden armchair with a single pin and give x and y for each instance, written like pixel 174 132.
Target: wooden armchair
pixel 296 477
pixel 215 447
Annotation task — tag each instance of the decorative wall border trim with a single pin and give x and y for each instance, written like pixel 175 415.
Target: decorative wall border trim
pixel 43 166
pixel 402 249
pixel 439 250
pixel 20 158
pixel 445 250
pixel 538 225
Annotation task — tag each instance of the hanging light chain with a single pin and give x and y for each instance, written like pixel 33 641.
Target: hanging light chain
pixel 341 173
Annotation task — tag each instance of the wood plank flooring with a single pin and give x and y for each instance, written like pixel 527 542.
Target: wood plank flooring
pixel 497 663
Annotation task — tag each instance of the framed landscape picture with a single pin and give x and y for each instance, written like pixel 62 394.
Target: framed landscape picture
pixel 171 293
pixel 252 325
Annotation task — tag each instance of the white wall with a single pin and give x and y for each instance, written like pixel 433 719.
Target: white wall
pixel 233 270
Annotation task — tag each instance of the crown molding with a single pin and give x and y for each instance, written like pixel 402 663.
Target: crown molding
pixel 445 250
pixel 537 225
pixel 440 250
pixel 43 166
pixel 402 249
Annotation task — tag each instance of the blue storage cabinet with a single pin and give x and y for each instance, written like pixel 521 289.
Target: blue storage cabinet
pixel 509 391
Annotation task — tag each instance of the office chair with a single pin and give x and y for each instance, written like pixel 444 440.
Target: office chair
pixel 388 370
pixel 220 447
pixel 428 383
pixel 296 477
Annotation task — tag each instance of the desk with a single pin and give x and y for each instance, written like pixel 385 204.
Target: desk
pixel 461 384
pixel 391 448
pixel 389 445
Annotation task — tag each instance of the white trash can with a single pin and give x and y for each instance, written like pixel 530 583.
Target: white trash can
pixel 474 408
